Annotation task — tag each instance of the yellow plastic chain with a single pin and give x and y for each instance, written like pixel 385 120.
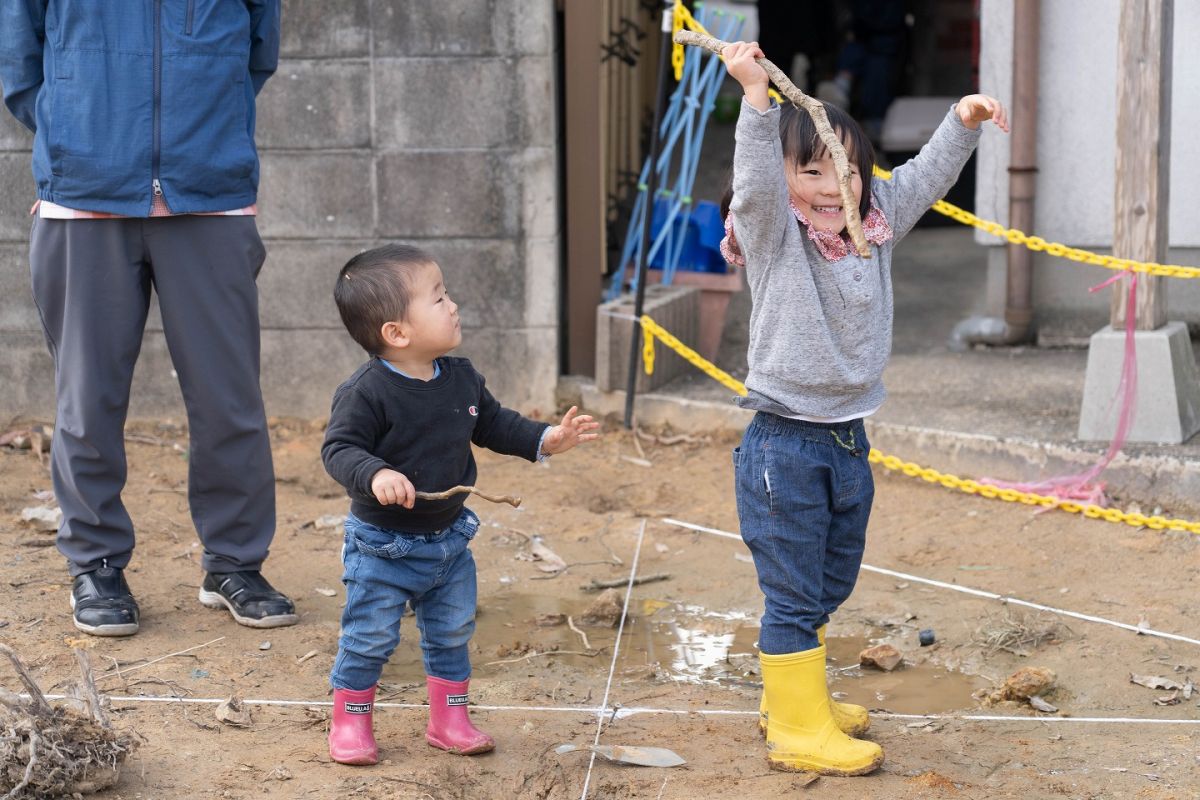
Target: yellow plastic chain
pixel 652 330
pixel 1038 244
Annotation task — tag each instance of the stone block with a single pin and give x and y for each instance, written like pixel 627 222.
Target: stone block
pixel 295 287
pixel 676 308
pixel 487 280
pixel 434 194
pixel 476 106
pixel 316 103
pixel 523 27
pixel 27 388
pixel 17 312
pixel 442 28
pixel 332 28
pixel 299 380
pixel 541 260
pixel 1167 408
pixel 538 102
pixel 325 195
pixel 13 135
pixel 520 365
pixel 16 179
pixel 539 192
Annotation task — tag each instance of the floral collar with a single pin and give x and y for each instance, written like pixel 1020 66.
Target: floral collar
pixel 832 245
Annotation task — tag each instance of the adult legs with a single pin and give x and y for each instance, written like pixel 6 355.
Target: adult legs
pixel 204 271
pixel 92 290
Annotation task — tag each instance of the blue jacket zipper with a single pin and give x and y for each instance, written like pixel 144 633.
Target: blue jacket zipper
pixel 191 15
pixel 154 166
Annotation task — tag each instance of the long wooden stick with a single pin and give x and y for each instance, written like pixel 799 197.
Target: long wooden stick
pixel 820 120
pixel 515 502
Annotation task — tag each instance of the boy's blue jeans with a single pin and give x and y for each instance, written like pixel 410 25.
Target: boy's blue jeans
pixel 804 492
pixel 384 569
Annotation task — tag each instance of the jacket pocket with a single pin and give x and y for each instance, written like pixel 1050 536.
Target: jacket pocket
pixel 207 143
pixel 101 118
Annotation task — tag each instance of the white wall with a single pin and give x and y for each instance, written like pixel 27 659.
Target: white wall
pixel 1076 149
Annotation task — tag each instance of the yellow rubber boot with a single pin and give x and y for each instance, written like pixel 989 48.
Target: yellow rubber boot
pixel 801 733
pixel 851 719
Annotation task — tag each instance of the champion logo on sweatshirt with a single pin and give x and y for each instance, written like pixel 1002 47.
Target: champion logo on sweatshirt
pixel 358 708
pixel 456 699
pixel 473 411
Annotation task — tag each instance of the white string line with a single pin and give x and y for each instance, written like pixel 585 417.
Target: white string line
pixel 589 710
pixel 968 590
pixel 621 713
pixel 629 711
pixel 637 551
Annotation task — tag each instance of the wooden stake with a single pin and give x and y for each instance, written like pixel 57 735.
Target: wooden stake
pixel 1143 126
pixel 820 120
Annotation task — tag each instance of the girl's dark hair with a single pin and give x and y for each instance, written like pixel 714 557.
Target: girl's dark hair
pixel 801 144
pixel 373 288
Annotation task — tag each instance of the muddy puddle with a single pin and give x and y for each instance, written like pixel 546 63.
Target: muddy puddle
pixel 676 642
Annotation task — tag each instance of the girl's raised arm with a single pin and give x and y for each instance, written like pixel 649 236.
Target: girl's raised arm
pixel 760 195
pixel 920 182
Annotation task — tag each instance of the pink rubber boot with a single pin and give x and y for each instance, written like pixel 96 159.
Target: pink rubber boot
pixel 449 727
pixel 351 739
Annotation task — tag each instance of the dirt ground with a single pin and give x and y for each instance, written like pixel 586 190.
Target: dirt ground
pixel 686 653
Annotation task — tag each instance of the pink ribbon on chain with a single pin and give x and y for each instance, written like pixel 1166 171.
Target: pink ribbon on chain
pixel 1083 486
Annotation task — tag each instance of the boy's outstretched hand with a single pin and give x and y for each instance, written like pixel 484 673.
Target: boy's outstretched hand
pixel 568 433
pixel 976 108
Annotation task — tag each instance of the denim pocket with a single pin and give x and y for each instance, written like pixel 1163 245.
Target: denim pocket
pixel 467 524
pixel 374 541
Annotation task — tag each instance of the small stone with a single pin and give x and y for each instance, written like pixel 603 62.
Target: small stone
pixel 881 656
pixel 927 637
pixel 605 609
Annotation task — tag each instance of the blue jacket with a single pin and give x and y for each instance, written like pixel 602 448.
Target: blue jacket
pixel 130 97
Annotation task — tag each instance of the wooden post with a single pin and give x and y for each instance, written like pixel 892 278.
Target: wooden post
pixel 584 25
pixel 1143 154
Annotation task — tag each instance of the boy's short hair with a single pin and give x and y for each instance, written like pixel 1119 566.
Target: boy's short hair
pixel 373 288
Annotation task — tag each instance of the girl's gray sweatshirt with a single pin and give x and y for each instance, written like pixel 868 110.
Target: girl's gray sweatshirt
pixel 821 331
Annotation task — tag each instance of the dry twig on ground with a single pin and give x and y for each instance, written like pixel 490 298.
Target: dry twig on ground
pixel 1019 632
pixel 50 751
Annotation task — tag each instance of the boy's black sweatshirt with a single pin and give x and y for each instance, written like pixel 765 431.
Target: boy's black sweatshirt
pixel 423 429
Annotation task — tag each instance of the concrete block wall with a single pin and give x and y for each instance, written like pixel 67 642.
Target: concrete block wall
pixel 388 120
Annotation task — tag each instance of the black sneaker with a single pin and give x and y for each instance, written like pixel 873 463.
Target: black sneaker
pixel 252 601
pixel 102 605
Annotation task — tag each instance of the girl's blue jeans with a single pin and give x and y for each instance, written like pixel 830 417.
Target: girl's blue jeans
pixel 384 569
pixel 804 492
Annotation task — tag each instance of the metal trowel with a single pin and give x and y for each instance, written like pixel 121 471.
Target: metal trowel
pixel 622 754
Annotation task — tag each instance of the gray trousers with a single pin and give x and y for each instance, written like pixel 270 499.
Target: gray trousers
pixel 92 281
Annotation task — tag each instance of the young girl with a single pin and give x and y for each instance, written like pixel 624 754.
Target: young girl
pixel 820 335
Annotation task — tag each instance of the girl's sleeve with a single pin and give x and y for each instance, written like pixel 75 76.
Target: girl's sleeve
pixel 760 194
pixel 919 183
